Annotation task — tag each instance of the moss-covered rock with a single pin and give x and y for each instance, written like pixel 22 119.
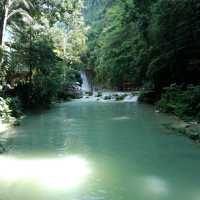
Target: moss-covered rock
pixel 149 96
pixel 120 97
pixel 107 97
pixel 2 149
pixel 89 93
pixel 99 94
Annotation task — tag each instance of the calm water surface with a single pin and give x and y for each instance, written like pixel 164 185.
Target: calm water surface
pixel 98 151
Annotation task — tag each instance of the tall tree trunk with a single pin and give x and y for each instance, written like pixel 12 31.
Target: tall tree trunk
pixel 30 55
pixel 1 29
pixel 3 24
pixel 4 21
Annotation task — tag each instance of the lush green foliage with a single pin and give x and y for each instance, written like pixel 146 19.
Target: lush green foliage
pixel 10 108
pixel 151 42
pixel 43 46
pixel 184 102
pixel 148 43
pixel 5 111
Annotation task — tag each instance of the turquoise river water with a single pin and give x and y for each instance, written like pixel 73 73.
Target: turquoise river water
pixel 98 151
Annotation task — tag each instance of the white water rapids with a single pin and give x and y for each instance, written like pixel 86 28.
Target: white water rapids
pixel 111 97
pixel 103 96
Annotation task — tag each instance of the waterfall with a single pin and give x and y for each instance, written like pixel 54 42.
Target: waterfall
pixel 131 98
pixel 86 86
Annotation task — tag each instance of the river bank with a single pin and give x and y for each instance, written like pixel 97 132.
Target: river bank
pixel 183 103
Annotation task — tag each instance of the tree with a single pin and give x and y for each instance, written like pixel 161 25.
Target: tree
pixel 146 42
pixel 175 43
pixel 9 8
pixel 33 56
pixel 40 63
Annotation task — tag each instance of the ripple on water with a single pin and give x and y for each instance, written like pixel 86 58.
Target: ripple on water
pixel 121 118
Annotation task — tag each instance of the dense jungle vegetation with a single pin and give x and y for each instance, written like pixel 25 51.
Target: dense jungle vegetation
pixel 41 43
pixel 150 44
pixel 153 45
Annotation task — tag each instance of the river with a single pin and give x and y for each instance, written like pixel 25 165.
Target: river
pixel 98 151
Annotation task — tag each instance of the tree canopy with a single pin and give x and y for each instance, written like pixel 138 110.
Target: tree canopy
pixel 151 42
pixel 41 46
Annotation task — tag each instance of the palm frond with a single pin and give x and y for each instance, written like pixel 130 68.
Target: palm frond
pixel 21 12
pixel 27 4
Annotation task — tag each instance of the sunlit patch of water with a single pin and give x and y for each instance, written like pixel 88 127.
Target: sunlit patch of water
pixel 57 174
pixel 195 195
pixel 154 185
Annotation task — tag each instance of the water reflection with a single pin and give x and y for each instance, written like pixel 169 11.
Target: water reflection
pixel 62 173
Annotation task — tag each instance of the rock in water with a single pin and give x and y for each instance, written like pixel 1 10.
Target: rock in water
pixel 2 149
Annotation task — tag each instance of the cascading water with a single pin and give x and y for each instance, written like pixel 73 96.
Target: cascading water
pixel 86 86
pixel 111 97
pixel 131 98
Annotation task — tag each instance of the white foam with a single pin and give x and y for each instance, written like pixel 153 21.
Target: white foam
pixel 86 87
pixel 111 97
pixel 131 98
